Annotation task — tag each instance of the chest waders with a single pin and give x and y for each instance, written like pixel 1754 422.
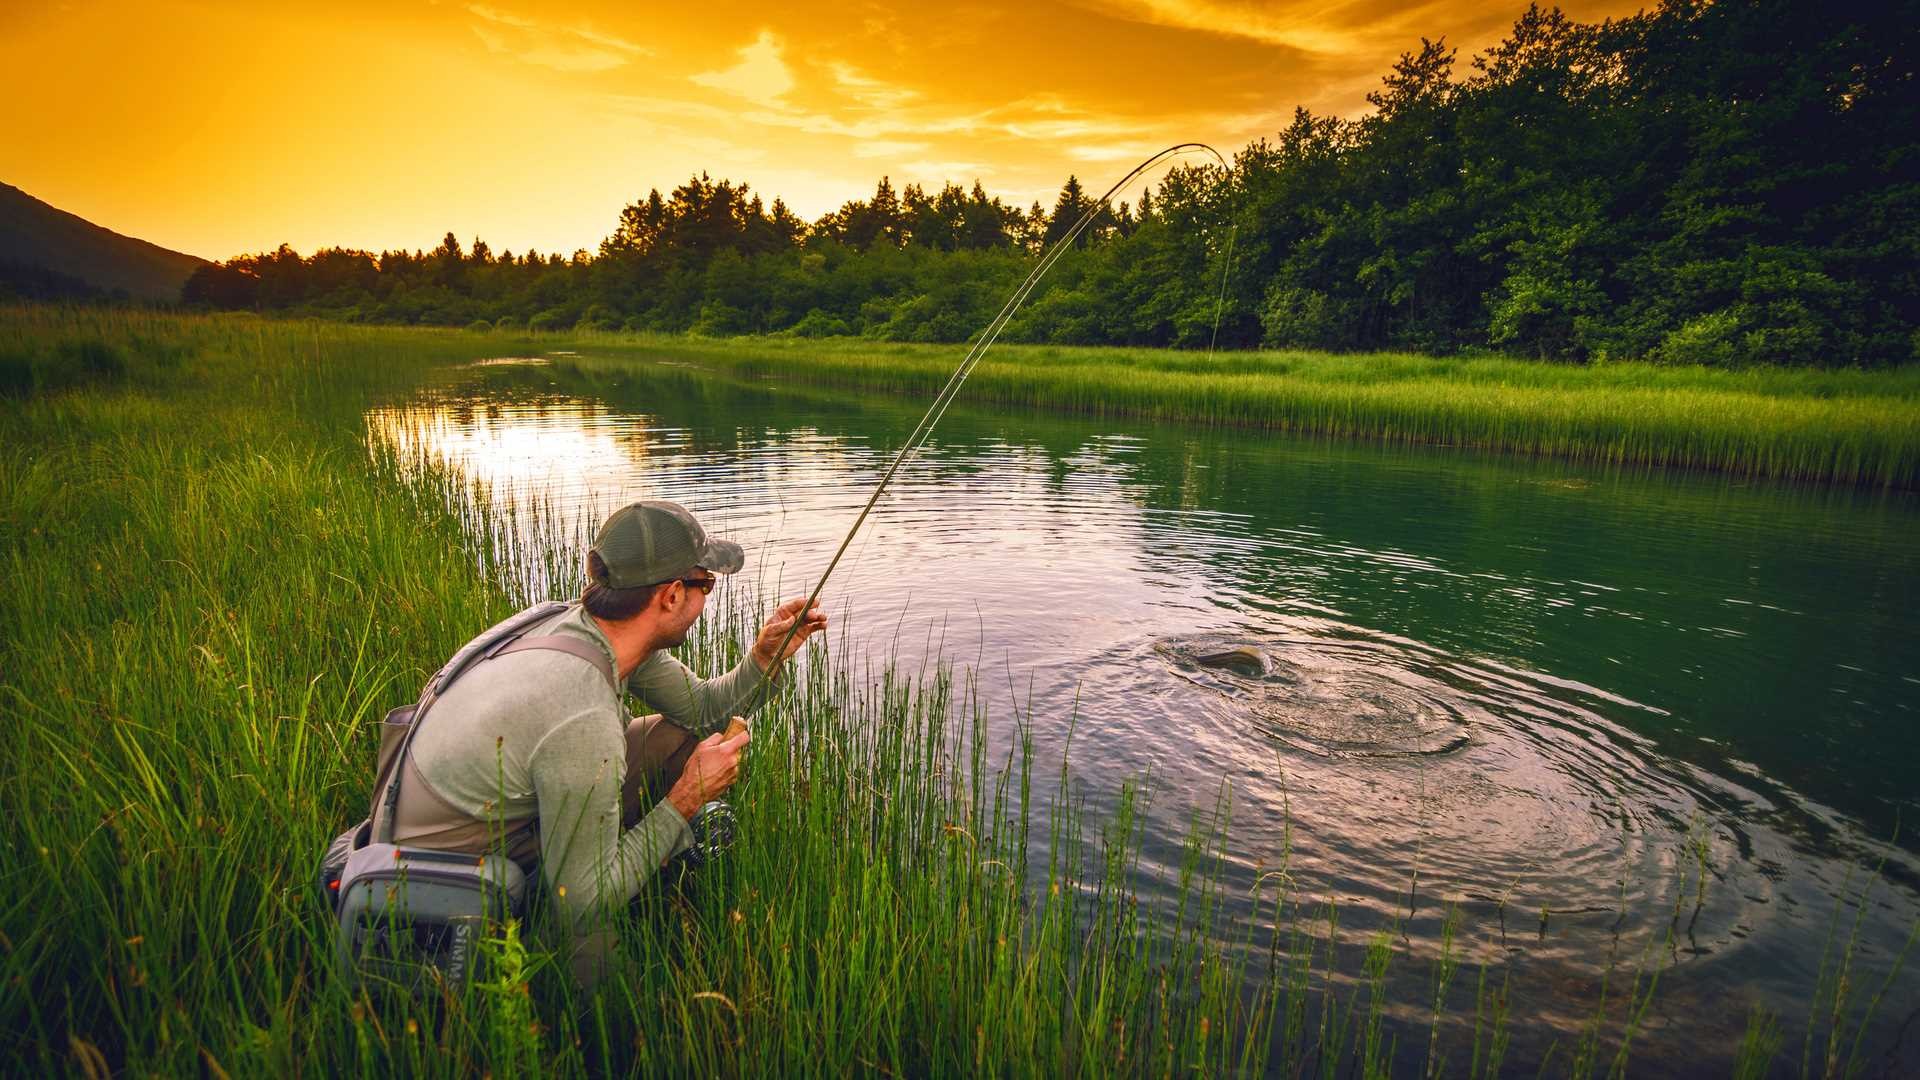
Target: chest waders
pixel 405 911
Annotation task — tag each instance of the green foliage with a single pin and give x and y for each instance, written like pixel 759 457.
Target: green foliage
pixel 598 317
pixel 817 323
pixel 1711 340
pixel 1720 184
pixel 1304 318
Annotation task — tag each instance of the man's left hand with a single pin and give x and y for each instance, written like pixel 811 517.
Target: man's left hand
pixel 772 634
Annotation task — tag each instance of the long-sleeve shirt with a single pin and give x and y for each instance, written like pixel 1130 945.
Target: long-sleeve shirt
pixel 542 734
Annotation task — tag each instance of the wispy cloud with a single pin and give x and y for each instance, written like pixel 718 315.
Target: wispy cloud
pixel 761 74
pixel 876 148
pixel 563 48
pixel 1124 152
pixel 1326 28
pixel 940 172
pixel 1308 27
pixel 869 92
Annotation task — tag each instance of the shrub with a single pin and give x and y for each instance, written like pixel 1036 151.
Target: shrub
pixel 598 317
pixel 721 319
pixel 1304 318
pixel 1710 340
pixel 479 326
pixel 549 319
pixel 818 323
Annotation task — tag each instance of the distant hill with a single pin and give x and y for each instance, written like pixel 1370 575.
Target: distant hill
pixel 46 245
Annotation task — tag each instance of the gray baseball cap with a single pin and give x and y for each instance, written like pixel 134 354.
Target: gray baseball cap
pixel 649 542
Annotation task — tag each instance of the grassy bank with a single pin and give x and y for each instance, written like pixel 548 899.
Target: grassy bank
pixel 1841 426
pixel 215 590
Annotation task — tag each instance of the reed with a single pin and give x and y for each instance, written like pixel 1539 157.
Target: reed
pixel 1852 427
pixel 216 588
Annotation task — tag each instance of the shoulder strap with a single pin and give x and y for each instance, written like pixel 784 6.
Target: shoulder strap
pixel 573 646
pixel 489 643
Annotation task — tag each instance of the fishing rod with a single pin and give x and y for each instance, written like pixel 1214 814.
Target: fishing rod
pixel 951 390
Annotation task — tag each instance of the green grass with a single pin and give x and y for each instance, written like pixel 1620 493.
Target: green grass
pixel 215 590
pixel 1842 426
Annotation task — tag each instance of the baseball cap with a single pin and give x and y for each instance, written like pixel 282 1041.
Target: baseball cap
pixel 649 542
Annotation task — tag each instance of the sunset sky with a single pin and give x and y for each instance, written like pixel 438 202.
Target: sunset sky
pixel 221 128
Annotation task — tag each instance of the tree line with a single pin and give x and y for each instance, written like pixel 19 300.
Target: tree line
pixel 1718 183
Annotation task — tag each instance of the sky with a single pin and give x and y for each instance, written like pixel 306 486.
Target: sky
pixel 220 128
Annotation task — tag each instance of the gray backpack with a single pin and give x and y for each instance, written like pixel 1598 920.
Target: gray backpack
pixel 406 911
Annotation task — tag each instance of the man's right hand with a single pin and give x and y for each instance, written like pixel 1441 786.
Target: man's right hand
pixel 710 770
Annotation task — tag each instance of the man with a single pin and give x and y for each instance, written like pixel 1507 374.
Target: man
pixel 533 751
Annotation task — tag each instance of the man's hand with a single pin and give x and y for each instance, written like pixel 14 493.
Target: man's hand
pixel 772 634
pixel 710 770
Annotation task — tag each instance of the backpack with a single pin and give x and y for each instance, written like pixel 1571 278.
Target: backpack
pixel 402 912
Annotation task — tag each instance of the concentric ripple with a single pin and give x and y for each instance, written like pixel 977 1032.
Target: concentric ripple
pixel 1390 761
pixel 1323 701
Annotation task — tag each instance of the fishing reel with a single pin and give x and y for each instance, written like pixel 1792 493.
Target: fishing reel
pixel 714 829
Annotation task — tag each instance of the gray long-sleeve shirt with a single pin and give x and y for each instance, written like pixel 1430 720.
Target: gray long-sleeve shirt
pixel 540 733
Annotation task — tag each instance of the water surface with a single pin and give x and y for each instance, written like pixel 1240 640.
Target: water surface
pixel 1550 695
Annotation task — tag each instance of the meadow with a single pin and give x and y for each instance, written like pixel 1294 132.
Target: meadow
pixel 217 587
pixel 1844 426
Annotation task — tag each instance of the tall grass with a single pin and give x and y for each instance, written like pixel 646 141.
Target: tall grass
pixel 1844 426
pixel 215 591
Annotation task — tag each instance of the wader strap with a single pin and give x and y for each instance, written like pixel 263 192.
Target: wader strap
pixel 585 650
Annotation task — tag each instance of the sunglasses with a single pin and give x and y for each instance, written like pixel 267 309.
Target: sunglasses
pixel 704 584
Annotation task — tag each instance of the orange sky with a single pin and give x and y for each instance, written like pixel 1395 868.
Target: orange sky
pixel 218 128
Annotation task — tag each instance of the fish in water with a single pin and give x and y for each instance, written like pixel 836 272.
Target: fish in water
pixel 1326 698
pixel 1241 660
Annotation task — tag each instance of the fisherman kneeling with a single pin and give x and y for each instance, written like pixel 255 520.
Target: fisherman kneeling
pixel 531 752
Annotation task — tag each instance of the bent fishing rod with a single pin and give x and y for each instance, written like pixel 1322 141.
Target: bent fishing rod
pixel 951 390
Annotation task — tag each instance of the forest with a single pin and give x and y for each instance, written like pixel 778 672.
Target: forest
pixel 1724 184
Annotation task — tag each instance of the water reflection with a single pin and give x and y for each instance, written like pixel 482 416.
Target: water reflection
pixel 1553 696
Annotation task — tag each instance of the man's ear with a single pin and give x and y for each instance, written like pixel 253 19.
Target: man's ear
pixel 668 598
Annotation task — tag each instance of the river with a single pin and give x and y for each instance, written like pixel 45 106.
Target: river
pixel 1552 697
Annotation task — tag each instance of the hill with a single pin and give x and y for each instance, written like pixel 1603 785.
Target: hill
pixel 44 247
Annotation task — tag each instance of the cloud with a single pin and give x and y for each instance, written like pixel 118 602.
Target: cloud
pixel 563 48
pixel 869 92
pixel 761 75
pixel 1305 27
pixel 1129 151
pixel 940 172
pixel 873 148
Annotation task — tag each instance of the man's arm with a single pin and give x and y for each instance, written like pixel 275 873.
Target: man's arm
pixel 591 866
pixel 703 706
pixel 700 705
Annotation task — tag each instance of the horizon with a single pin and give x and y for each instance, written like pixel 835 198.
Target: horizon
pixel 291 126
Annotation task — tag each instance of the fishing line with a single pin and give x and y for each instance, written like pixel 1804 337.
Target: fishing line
pixel 987 337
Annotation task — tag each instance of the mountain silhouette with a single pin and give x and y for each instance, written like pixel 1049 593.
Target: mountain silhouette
pixel 45 250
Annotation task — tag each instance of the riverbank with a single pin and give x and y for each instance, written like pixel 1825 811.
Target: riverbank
pixel 1853 427
pixel 216 588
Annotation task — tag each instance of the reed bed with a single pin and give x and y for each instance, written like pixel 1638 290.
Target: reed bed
pixel 216 588
pixel 1853 427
